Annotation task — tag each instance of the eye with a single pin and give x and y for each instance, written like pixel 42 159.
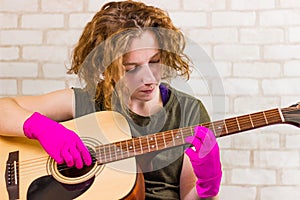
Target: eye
pixel 155 60
pixel 131 68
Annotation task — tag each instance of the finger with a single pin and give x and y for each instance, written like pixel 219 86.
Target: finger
pixel 84 152
pixel 66 155
pixel 194 141
pixel 200 132
pixel 76 157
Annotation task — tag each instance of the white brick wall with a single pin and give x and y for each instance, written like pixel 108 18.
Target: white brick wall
pixel 251 47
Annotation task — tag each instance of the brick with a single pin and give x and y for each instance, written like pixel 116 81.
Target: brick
pixel 285 86
pixel 18 69
pixel 292 141
pixel 252 5
pixel 261 35
pixel 8 21
pixel 19 6
pixel 291 68
pixel 280 192
pixel 95 5
pixel 54 70
pixel 21 37
pixel 190 19
pixel 42 21
pixel 204 5
pixel 46 53
pixel 257 70
pixel 237 192
pixel 235 158
pixel 256 139
pixel 166 4
pixel 216 35
pixel 236 52
pixel 8 87
pixel 233 18
pixel 281 52
pixel 236 86
pixel 63 37
pixel 290 176
pixel 253 176
pixel 276 159
pixel 289 4
pixel 35 87
pixel 250 104
pixel 62 6
pixel 9 53
pixel 279 17
pixel 79 20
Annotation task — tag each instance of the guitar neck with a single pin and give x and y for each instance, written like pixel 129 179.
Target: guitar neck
pixel 154 142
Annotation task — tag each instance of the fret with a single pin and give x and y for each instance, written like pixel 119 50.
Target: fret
pixel 238 124
pixel 231 125
pixel 251 121
pixel 225 126
pixel 155 139
pixel 218 127
pixel 172 135
pixel 141 145
pixel 145 144
pixel 213 127
pixel 177 138
pixel 168 139
pixel 265 118
pixel 111 148
pixel 137 146
pixel 130 146
pixel 99 153
pixel 119 151
pixel 273 116
pixel 258 119
pixel 182 138
pixel 124 149
pixel 163 135
pixel 160 141
pixel 245 122
pixel 151 143
pixel 127 149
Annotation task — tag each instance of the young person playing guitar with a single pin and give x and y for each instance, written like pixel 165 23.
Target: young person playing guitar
pixel 123 56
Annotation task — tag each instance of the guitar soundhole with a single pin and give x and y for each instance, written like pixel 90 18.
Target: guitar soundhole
pixel 73 172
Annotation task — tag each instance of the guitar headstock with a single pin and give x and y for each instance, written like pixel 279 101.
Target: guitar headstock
pixel 291 114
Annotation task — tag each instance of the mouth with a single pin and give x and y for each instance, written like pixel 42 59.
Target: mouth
pixel 148 91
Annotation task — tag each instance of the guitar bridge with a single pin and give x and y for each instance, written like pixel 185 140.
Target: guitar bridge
pixel 12 175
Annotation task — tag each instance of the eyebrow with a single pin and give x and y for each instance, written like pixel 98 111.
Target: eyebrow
pixel 133 63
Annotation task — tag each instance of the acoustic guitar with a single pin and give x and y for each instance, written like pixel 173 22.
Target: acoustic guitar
pixel 27 172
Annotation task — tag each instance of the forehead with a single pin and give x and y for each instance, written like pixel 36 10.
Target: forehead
pixel 147 40
pixel 142 48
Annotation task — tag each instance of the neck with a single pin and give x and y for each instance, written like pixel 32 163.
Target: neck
pixel 147 108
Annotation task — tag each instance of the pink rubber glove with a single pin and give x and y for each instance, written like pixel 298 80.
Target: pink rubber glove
pixel 205 159
pixel 62 144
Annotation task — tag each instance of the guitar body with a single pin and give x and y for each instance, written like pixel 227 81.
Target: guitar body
pixel 30 173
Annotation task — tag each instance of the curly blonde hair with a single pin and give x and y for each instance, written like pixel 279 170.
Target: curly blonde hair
pixel 98 55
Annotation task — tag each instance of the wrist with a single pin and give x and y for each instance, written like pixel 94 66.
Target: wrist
pixel 209 187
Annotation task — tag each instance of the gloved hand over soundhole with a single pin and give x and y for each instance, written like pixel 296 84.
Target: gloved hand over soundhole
pixel 205 159
pixel 62 144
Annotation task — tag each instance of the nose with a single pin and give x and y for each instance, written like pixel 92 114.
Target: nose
pixel 147 75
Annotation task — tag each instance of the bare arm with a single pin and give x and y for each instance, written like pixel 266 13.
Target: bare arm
pixel 187 182
pixel 56 105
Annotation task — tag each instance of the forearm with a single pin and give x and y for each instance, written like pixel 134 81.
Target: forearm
pixel 192 195
pixel 12 117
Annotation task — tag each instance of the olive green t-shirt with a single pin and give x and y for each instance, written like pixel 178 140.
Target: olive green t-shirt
pixel 163 168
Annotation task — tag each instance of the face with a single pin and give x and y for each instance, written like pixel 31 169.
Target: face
pixel 142 68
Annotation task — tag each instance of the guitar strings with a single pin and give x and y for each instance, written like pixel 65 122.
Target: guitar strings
pixel 230 124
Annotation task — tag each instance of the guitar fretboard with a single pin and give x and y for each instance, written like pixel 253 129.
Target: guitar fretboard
pixel 154 142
